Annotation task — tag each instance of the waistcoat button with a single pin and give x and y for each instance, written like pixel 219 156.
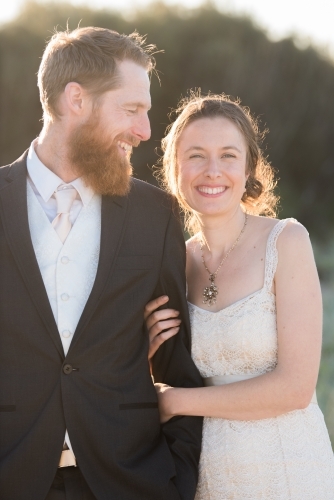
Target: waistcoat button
pixel 67 369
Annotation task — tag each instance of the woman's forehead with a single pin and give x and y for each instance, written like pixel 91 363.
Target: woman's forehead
pixel 218 129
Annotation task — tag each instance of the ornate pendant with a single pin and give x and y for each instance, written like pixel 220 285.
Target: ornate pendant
pixel 210 292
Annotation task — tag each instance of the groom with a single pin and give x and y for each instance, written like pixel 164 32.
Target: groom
pixel 83 248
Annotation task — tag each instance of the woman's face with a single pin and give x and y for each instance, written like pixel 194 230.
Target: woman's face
pixel 211 158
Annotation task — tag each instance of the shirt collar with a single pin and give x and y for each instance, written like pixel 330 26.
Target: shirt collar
pixel 46 182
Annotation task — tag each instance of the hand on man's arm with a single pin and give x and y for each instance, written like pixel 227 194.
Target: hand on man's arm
pixel 172 364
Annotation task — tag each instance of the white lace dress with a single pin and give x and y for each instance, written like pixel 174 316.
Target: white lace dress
pixel 283 458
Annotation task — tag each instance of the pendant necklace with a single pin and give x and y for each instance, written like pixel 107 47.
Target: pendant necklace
pixel 210 292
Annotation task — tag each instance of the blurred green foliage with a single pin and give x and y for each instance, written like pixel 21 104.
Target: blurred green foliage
pixel 325 386
pixel 289 89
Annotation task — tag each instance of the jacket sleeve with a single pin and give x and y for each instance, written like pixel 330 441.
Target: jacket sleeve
pixel 172 364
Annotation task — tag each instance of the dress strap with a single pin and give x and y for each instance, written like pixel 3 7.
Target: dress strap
pixel 272 253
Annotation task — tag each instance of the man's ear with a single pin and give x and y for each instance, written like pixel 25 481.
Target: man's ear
pixel 76 98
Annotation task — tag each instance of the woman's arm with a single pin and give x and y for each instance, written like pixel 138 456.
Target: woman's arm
pixel 291 384
pixel 172 364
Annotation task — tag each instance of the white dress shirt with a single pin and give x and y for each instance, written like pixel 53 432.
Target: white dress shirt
pixel 68 270
pixel 44 183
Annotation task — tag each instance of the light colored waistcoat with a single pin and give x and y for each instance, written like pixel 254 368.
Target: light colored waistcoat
pixel 68 270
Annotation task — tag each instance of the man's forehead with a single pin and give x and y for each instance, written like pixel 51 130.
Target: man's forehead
pixel 134 86
pixel 130 72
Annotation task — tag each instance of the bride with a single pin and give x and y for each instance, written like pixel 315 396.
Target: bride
pixel 256 315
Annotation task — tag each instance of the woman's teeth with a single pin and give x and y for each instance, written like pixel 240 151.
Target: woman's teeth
pixel 208 190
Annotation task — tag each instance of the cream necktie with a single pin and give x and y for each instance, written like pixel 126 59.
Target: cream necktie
pixel 61 222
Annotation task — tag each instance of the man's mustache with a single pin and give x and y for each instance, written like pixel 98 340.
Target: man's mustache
pixel 133 141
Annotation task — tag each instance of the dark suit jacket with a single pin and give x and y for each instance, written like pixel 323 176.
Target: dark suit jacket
pixel 102 392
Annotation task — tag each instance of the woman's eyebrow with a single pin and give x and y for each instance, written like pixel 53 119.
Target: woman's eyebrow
pixel 199 148
pixel 232 147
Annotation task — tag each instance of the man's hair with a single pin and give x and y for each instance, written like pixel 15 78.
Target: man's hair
pixel 259 197
pixel 88 56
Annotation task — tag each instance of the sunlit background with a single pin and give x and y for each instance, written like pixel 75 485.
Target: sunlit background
pixel 277 56
pixel 309 21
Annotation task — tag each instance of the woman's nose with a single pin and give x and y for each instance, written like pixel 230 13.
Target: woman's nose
pixel 213 169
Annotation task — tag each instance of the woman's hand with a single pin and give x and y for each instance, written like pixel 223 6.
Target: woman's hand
pixel 161 325
pixel 163 392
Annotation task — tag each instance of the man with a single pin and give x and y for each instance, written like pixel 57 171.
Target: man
pixel 83 248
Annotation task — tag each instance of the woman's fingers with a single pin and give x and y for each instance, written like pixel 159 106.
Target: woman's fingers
pixel 161 315
pixel 162 324
pixel 156 341
pixel 159 327
pixel 154 304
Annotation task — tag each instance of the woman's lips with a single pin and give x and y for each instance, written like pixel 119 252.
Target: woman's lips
pixel 211 190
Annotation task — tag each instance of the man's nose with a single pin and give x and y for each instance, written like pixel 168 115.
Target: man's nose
pixel 142 128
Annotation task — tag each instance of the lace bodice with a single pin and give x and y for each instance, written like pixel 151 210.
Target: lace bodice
pixel 288 457
pixel 242 337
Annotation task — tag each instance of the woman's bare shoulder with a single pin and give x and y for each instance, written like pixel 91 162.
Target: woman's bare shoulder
pixel 294 234
pixel 293 229
pixel 294 246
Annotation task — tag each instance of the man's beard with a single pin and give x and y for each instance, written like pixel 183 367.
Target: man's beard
pixel 99 162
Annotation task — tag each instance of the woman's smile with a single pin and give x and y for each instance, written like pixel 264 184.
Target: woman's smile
pixel 212 156
pixel 211 191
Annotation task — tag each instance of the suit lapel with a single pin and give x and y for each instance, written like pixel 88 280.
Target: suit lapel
pixel 113 223
pixel 14 213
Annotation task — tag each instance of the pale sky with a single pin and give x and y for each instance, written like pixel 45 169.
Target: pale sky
pixel 308 20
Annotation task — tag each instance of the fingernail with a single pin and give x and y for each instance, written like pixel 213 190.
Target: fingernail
pixel 165 297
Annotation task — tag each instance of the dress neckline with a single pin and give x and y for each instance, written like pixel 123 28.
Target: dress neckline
pixel 274 233
pixel 237 302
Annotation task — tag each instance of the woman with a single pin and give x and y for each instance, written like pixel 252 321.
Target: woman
pixel 255 309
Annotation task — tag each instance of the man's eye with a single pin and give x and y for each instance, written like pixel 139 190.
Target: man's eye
pixel 132 111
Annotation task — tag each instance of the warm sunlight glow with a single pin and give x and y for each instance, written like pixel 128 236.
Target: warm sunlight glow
pixel 280 17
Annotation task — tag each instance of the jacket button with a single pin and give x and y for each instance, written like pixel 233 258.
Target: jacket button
pixel 67 369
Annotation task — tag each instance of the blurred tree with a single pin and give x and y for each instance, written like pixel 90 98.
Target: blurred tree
pixel 288 88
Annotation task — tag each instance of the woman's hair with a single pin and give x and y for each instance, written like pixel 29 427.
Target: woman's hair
pixel 259 197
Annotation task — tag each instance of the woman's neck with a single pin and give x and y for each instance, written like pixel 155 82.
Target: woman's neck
pixel 219 234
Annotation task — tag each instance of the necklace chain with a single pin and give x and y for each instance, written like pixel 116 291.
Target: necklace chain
pixel 210 292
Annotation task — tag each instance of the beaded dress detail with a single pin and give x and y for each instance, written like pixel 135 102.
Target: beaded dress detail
pixel 283 458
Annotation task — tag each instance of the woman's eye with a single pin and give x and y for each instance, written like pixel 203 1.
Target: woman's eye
pixel 196 156
pixel 228 155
